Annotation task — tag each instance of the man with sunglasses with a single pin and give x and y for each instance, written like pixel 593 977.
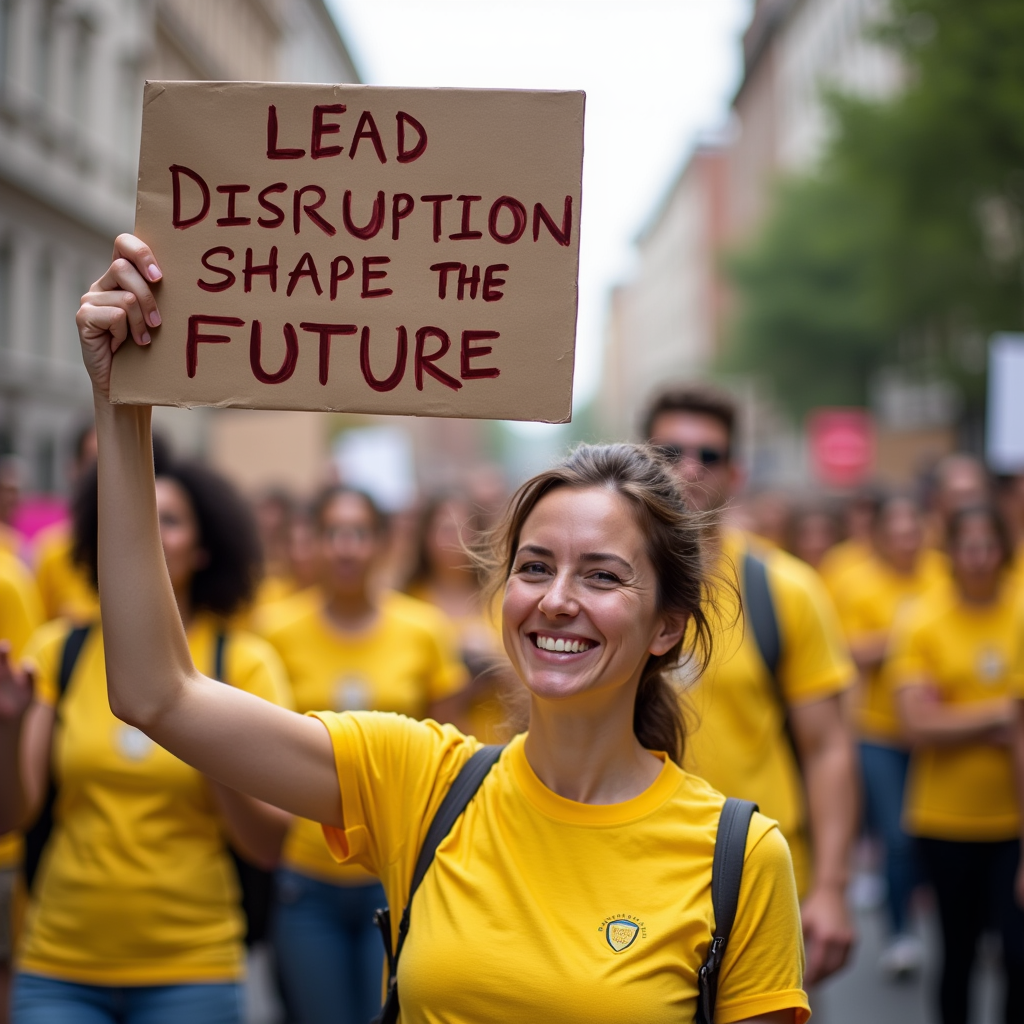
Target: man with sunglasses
pixel 776 737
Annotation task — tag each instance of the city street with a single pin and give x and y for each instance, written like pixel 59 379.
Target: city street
pixel 862 994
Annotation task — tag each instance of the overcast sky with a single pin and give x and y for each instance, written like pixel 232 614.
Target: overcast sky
pixel 658 75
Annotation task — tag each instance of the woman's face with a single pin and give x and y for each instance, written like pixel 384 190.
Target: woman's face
pixel 976 555
pixel 179 533
pixel 581 579
pixel 445 536
pixel 899 536
pixel 349 543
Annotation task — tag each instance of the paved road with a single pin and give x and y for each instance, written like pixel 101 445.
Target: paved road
pixel 860 994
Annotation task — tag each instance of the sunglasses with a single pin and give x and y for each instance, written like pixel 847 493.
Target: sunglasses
pixel 707 457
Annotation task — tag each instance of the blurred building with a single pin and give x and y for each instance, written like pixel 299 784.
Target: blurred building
pixel 71 78
pixel 668 321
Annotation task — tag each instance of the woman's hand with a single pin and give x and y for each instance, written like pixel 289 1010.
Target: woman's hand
pixel 16 689
pixel 120 303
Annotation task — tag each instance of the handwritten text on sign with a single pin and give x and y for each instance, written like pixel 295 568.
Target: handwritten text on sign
pixel 361 249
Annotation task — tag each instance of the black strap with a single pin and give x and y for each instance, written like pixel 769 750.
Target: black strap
pixel 759 609
pixel 37 835
pixel 726 877
pixel 219 644
pixel 462 790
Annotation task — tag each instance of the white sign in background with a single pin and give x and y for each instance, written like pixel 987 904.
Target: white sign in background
pixel 1004 434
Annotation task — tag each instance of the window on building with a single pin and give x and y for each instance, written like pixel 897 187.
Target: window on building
pixel 81 68
pixel 42 324
pixel 5 37
pixel 44 43
pixel 6 291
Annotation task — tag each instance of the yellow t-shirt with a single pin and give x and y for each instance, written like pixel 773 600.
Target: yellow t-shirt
pixel 406 660
pixel 538 908
pixel 135 886
pixel 962 791
pixel 876 596
pixel 66 590
pixel 738 741
pixel 21 612
pixel 11 541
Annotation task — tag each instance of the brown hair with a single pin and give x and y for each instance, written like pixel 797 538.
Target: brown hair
pixel 673 534
pixel 701 399
pixel 959 518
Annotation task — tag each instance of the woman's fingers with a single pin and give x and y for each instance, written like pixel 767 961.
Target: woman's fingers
pixel 125 286
pixel 128 303
pixel 97 321
pixel 131 248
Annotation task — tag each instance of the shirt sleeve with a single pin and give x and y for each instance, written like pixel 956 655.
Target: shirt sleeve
pixel 762 970
pixel 393 772
pixel 815 660
pixel 906 663
pixel 21 610
pixel 42 653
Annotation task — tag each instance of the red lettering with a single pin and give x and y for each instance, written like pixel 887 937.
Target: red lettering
pixel 366 129
pixel 278 219
pixel 232 219
pixel 426 362
pixel 401 357
pixel 470 351
pixel 466 232
pixel 492 281
pixel 472 280
pixel 443 270
pixel 518 212
pixel 304 268
pixel 326 332
pixel 311 208
pixel 291 355
pixel 438 201
pixel 273 153
pixel 268 269
pixel 372 226
pixel 176 218
pixel 374 275
pixel 406 156
pixel 316 150
pixel 194 338
pixel 560 234
pixel 400 212
pixel 336 277
pixel 229 277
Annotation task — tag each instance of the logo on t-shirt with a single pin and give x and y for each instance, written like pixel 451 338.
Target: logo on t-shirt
pixel 351 693
pixel 133 744
pixel 991 665
pixel 621 932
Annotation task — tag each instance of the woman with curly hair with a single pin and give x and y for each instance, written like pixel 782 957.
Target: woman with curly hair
pixel 135 907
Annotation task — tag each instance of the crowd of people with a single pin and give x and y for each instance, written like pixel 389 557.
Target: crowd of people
pixel 854 666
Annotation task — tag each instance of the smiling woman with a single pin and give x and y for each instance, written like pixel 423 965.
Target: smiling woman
pixel 576 886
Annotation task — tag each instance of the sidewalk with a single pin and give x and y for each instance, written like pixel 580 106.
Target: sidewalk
pixel 860 993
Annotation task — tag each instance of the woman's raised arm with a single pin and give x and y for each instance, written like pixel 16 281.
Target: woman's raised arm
pixel 246 743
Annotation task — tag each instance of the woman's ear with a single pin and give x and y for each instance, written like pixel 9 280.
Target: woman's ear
pixel 671 629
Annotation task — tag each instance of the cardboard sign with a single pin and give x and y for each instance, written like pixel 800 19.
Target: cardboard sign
pixel 360 249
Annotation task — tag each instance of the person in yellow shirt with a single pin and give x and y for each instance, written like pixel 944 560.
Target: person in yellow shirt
pixel 445 577
pixel 950 661
pixel 348 648
pixel 576 886
pixel 877 591
pixel 20 614
pixel 134 911
pixel 773 734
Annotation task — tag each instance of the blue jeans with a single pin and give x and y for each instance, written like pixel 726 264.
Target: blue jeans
pixel 39 1000
pixel 330 957
pixel 885 774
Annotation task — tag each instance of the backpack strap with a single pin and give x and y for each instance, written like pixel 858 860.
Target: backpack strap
pixel 220 643
pixel 462 790
pixel 759 609
pixel 726 876
pixel 37 835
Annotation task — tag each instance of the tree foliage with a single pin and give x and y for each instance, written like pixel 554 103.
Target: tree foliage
pixel 906 246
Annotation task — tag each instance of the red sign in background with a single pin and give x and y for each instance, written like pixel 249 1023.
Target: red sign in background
pixel 842 445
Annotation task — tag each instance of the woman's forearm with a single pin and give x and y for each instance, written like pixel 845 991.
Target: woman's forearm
pixel 12 794
pixel 147 657
pixel 931 721
pixel 255 829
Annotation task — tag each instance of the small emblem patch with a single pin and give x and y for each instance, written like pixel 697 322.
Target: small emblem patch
pixel 621 934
